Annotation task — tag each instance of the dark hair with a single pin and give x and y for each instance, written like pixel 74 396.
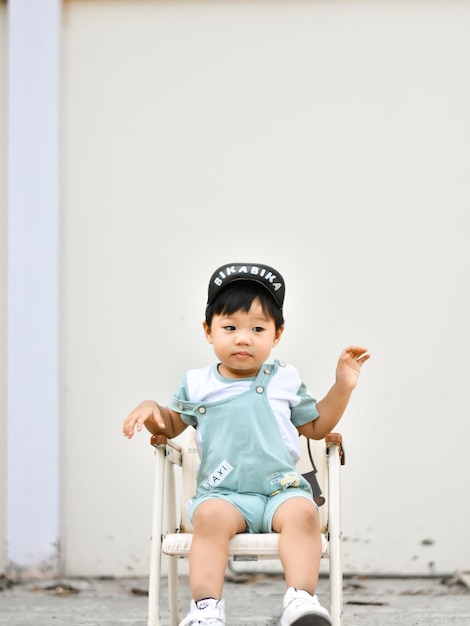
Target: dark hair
pixel 239 296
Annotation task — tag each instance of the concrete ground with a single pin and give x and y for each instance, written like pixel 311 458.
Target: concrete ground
pixel 251 598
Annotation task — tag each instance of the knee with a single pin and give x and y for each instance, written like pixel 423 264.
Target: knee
pixel 217 517
pixel 205 518
pixel 298 513
pixel 308 517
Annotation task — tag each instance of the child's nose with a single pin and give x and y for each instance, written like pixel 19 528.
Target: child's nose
pixel 242 337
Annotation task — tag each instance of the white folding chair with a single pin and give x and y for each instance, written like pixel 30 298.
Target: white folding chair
pixel 171 533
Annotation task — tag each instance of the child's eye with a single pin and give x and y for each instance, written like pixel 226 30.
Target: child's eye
pixel 229 327
pixel 258 329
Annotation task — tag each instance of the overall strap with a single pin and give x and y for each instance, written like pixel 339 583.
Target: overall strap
pixel 265 375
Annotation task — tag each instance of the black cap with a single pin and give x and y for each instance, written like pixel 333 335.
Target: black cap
pixel 259 273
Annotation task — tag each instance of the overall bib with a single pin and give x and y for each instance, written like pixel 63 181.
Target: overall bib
pixel 242 447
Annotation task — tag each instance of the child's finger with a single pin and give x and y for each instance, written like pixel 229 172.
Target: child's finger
pixel 129 426
pixel 357 353
pixel 159 420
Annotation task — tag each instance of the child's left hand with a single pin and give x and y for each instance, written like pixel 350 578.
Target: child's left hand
pixel 349 365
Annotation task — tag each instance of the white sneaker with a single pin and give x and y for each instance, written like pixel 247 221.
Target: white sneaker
pixel 208 612
pixel 302 609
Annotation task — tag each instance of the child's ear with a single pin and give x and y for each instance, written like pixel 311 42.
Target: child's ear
pixel 207 331
pixel 277 336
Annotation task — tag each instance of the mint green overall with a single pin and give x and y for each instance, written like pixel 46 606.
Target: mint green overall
pixel 244 458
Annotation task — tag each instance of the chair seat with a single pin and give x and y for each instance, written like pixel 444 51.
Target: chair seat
pixel 246 546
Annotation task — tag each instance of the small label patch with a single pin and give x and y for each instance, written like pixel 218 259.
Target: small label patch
pixel 218 475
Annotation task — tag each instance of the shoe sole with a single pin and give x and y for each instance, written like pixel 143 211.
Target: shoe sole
pixel 311 620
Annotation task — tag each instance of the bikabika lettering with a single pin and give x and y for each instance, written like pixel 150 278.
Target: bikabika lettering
pixel 254 270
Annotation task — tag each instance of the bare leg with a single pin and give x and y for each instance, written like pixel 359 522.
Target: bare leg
pixel 298 523
pixel 215 522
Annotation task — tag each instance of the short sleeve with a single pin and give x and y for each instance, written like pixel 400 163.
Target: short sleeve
pixel 180 397
pixel 306 410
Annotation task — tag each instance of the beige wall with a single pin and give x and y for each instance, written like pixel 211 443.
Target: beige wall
pixel 329 139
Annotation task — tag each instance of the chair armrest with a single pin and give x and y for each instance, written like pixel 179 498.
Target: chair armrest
pixel 336 439
pixel 173 452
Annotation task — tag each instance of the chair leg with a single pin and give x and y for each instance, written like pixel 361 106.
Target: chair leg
pixel 334 531
pixel 154 596
pixel 173 598
pixel 156 541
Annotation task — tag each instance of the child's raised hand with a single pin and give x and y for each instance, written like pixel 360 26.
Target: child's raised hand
pixel 349 365
pixel 147 411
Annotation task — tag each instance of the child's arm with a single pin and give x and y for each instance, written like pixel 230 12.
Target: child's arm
pixel 159 420
pixel 332 406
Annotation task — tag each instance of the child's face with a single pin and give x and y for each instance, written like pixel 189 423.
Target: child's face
pixel 242 341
